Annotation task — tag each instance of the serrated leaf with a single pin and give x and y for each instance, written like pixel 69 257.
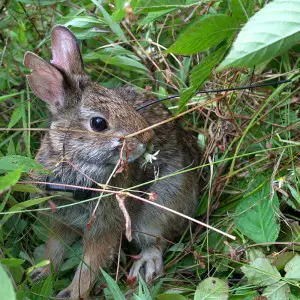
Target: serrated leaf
pixel 277 291
pixel 271 31
pixel 261 272
pixel 212 289
pixel 203 33
pixel 6 288
pixel 292 268
pixel 255 215
pixel 9 180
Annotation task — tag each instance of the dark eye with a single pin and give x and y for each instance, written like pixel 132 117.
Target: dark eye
pixel 98 124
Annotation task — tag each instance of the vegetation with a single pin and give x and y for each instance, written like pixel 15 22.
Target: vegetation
pixel 250 138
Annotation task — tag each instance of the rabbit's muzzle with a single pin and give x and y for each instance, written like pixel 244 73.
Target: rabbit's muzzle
pixel 137 145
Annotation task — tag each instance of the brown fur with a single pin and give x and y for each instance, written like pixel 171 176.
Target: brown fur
pixel 96 154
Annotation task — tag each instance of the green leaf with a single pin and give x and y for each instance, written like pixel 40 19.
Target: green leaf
pixel 199 74
pixel 261 272
pixel 170 297
pixel 114 26
pixel 81 22
pixel 38 265
pixel 5 97
pixel 242 10
pixel 42 2
pixel 23 205
pixel 255 215
pixel 157 5
pixel 204 33
pixel 211 289
pixel 277 291
pixel 6 288
pixel 114 289
pixel 9 180
pixel 152 16
pixel 15 117
pixel 12 262
pixel 14 162
pixel 46 289
pixel 271 31
pixel 120 61
pixel 292 268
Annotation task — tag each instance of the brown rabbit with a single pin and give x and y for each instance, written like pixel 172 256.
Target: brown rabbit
pixel 95 119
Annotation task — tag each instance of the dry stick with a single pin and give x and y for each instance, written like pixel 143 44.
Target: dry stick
pixel 138 198
pixel 174 118
pixel 119 258
pixel 180 214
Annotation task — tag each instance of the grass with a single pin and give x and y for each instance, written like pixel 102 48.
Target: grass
pixel 249 138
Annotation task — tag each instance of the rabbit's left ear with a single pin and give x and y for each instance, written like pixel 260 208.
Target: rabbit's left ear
pixel 66 54
pixel 45 81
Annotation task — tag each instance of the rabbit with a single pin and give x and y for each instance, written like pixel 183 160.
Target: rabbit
pixel 87 129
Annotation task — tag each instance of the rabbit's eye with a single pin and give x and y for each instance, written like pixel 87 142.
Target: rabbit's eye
pixel 98 124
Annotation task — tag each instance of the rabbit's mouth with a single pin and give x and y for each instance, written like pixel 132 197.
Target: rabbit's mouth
pixel 136 153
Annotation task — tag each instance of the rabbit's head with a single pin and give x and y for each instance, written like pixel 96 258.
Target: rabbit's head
pixel 88 121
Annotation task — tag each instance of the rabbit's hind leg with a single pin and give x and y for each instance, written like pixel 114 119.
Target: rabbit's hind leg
pixel 56 248
pixel 96 253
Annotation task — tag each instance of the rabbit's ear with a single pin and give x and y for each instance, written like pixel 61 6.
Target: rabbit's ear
pixel 65 51
pixel 45 81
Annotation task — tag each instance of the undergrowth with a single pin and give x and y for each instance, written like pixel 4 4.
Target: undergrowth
pixel 249 140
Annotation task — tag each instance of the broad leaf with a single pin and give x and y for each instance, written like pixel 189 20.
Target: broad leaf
pixel 211 289
pixel 9 180
pixel 271 31
pixel 14 162
pixel 277 291
pixel 261 273
pixel 6 288
pixel 292 268
pixel 12 262
pixel 204 33
pixel 256 215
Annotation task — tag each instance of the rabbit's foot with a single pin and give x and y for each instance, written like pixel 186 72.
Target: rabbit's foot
pixel 149 265
pixel 70 295
pixel 40 273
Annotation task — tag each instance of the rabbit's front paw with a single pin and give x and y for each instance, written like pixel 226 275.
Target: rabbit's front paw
pixel 40 273
pixel 149 265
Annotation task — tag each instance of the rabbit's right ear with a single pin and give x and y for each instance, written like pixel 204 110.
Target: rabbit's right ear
pixel 45 81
